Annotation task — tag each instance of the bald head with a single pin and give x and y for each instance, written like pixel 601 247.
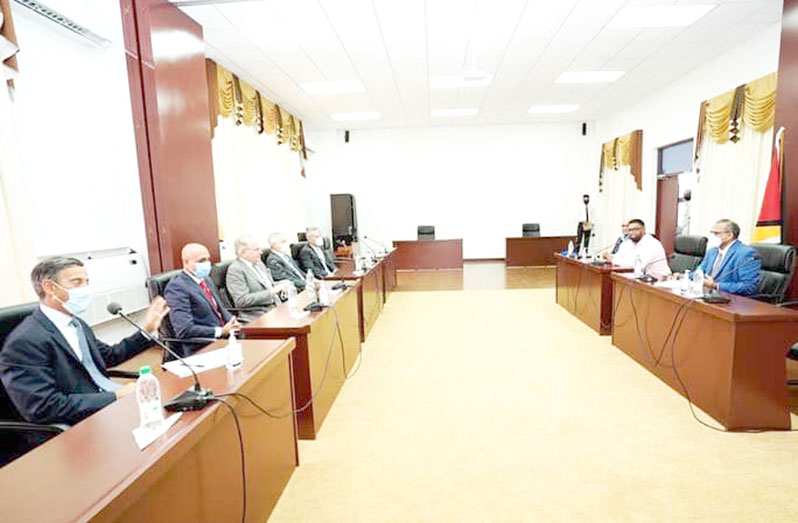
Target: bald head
pixel 192 254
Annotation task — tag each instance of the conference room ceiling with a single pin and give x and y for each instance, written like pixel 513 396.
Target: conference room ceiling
pixel 395 47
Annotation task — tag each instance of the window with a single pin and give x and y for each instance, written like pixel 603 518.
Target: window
pixel 675 158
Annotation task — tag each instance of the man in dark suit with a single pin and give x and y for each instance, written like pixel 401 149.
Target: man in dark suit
pixel 312 256
pixel 730 266
pixel 280 262
pixel 196 311
pixel 52 366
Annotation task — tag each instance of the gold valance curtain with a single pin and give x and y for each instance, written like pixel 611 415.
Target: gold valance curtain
pixel 231 97
pixel 620 152
pixel 753 103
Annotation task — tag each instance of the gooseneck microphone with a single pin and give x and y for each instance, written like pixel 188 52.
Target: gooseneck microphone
pixel 384 248
pixel 196 397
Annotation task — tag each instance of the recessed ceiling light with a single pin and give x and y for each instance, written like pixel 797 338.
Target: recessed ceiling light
pixel 356 116
pixel 353 86
pixel 463 111
pixel 553 109
pixel 456 82
pixel 659 15
pixel 589 77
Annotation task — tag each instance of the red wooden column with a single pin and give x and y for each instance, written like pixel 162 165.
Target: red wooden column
pixel 166 67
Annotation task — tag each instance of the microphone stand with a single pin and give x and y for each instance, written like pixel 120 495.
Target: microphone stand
pixel 196 397
pixel 384 248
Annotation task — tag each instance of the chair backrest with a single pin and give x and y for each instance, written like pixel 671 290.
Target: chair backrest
pixel 219 278
pixel 264 255
pixel 156 285
pixel 688 251
pixel 778 267
pixel 530 230
pixel 301 236
pixel 426 232
pixel 10 317
pixel 295 248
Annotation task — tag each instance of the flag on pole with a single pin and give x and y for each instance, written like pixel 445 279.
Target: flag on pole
pixel 768 226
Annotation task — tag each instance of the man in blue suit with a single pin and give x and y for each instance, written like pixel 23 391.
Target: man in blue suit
pixel 52 366
pixel 730 266
pixel 195 308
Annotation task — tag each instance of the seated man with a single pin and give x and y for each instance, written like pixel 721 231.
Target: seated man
pixel 645 247
pixel 624 237
pixel 281 263
pixel 196 310
pixel 730 265
pixel 250 283
pixel 52 366
pixel 313 258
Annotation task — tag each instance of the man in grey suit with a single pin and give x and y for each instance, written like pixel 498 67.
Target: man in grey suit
pixel 250 283
pixel 281 263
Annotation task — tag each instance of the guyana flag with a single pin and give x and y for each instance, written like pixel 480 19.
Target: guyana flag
pixel 768 226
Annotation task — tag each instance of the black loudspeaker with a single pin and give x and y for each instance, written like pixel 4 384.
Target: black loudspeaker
pixel 344 218
pixel 584 129
pixel 346 136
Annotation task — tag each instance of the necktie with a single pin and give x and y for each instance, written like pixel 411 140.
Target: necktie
pixel 88 362
pixel 214 306
pixel 717 264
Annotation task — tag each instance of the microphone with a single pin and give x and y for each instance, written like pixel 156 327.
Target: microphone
pixel 384 248
pixel 373 252
pixel 196 397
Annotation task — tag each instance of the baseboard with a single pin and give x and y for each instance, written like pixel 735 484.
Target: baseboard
pixel 483 259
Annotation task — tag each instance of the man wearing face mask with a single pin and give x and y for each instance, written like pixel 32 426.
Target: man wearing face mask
pixel 196 309
pixel 621 239
pixel 52 366
pixel 313 258
pixel 281 263
pixel 645 247
pixel 730 265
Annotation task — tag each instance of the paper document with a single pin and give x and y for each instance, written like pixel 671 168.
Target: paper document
pixel 145 436
pixel 199 362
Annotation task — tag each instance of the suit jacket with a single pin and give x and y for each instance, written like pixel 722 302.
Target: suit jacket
pixel 191 314
pixel 311 262
pixel 248 291
pixel 285 268
pixel 46 381
pixel 739 270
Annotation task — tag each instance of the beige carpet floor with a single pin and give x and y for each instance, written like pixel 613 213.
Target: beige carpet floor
pixel 497 405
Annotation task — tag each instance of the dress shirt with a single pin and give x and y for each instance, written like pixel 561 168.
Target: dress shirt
pixel 264 278
pixel 217 331
pixel 63 322
pixel 720 258
pixel 651 253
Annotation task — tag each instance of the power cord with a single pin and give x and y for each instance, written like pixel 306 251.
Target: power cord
pixel 241 449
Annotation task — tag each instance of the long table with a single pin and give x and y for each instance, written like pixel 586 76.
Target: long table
pixel 534 252
pixel 429 254
pixel 585 290
pixel 95 471
pixel 322 358
pixel 728 359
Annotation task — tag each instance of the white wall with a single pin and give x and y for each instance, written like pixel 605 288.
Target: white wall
pixel 671 114
pixel 77 150
pixel 475 183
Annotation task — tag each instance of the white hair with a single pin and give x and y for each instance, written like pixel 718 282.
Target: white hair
pixel 275 237
pixel 244 242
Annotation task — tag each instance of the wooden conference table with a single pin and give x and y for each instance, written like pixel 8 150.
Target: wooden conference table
pixel 585 290
pixel 95 471
pixel 324 355
pixel 730 358
pixel 534 252
pixel 429 254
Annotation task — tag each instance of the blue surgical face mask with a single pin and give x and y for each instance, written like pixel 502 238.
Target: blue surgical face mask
pixel 202 269
pixel 78 301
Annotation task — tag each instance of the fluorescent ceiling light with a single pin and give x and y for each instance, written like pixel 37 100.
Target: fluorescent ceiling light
pixel 456 82
pixel 463 111
pixel 350 86
pixel 356 116
pixel 589 77
pixel 553 109
pixel 659 15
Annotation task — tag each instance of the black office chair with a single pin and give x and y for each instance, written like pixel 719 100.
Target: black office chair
pixel 688 251
pixel 426 232
pixel 301 237
pixel 530 230
pixel 156 285
pixel 295 248
pixel 264 255
pixel 778 267
pixel 219 278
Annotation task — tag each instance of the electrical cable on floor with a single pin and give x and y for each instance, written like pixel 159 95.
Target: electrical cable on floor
pixel 243 459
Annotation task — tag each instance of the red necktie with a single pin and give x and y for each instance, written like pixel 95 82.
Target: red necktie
pixel 208 294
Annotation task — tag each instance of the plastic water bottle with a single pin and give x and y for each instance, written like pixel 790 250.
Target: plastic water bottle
pixel 293 301
pixel 638 267
pixel 310 286
pixel 570 248
pixel 234 353
pixel 324 295
pixel 148 396
pixel 698 282
pixel 684 285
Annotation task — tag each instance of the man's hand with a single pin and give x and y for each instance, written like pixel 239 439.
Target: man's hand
pixel 155 314
pixel 281 286
pixel 124 390
pixel 710 282
pixel 231 326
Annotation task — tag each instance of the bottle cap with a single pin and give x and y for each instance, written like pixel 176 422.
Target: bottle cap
pixel 145 370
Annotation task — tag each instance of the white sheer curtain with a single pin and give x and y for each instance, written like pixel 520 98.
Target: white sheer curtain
pixel 621 202
pixel 731 182
pixel 259 188
pixel 15 227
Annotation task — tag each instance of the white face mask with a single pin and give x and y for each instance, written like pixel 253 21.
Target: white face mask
pixel 285 249
pixel 713 241
pixel 319 242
